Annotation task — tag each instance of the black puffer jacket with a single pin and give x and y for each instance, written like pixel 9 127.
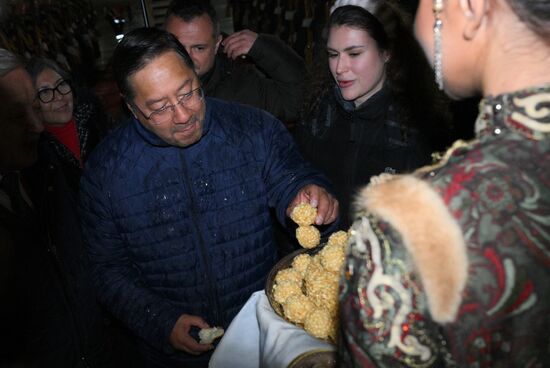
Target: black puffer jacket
pixel 352 144
pixel 274 82
pixel 187 230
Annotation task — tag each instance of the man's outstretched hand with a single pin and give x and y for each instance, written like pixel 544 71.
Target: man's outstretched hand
pixel 327 206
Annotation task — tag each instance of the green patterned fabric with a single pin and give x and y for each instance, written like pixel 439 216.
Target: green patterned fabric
pixel 497 188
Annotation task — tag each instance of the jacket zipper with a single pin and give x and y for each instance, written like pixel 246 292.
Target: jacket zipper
pixel 212 294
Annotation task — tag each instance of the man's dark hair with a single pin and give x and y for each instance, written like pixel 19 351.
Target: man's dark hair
pixel 137 49
pixel 188 10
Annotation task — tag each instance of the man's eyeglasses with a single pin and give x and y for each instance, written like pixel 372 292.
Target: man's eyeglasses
pixel 48 94
pixel 166 113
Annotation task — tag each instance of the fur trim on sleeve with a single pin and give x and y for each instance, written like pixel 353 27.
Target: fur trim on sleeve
pixel 429 232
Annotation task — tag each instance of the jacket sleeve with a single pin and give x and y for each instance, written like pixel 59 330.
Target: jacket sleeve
pixel 304 139
pixel 285 171
pixel 404 279
pixel 117 283
pixel 384 321
pixel 283 88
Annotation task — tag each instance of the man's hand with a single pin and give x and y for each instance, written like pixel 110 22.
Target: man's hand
pixel 180 338
pixel 239 43
pixel 327 206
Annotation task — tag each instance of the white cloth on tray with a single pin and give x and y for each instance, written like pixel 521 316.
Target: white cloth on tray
pixel 258 337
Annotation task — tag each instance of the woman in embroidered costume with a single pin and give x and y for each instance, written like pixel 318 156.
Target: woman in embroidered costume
pixel 450 266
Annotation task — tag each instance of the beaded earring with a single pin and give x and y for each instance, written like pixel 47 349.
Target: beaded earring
pixel 438 51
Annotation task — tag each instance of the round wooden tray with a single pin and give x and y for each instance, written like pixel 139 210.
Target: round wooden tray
pixel 285 262
pixel 315 359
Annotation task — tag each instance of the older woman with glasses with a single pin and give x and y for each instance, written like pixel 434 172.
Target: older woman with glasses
pixel 72 124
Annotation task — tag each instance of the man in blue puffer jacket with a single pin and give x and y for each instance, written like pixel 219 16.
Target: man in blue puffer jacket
pixel 175 204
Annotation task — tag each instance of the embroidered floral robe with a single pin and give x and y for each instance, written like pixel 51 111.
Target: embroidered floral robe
pixel 451 266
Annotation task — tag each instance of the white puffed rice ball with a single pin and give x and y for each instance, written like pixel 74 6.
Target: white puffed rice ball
pixel 297 307
pixel 308 236
pixel 304 214
pixel 284 289
pixel 319 323
pixel 301 262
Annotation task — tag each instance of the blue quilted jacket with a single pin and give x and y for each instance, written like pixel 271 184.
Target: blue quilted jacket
pixel 187 230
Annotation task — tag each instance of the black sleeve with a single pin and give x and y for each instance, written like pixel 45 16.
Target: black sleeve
pixel 282 89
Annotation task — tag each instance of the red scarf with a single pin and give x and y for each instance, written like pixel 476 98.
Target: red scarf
pixel 66 134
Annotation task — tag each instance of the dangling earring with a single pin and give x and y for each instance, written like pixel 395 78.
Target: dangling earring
pixel 438 51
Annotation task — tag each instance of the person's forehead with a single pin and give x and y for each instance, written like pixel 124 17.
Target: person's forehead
pixel 47 77
pixel 168 62
pixel 161 74
pixel 342 36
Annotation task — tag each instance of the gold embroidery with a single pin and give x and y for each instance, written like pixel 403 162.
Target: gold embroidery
pixel 441 159
pixel 373 292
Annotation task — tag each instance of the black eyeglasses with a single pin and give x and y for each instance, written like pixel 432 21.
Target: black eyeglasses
pixel 48 94
pixel 166 113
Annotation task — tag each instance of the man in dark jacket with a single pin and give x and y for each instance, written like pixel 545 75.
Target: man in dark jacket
pixel 48 312
pixel 175 204
pixel 273 82
pixel 20 130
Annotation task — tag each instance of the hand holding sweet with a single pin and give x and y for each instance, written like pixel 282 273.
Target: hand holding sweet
pixel 180 339
pixel 327 206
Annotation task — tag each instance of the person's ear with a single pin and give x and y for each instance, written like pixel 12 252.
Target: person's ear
pixel 130 107
pixel 386 56
pixel 475 14
pixel 218 42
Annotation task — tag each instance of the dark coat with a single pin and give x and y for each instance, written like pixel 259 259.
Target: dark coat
pixel 54 319
pixel 274 82
pixel 350 145
pixel 187 230
pixel 90 123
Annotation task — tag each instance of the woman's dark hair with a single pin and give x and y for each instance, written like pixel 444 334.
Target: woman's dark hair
pixel 137 49
pixel 37 65
pixel 534 13
pixel 408 74
pixel 357 17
